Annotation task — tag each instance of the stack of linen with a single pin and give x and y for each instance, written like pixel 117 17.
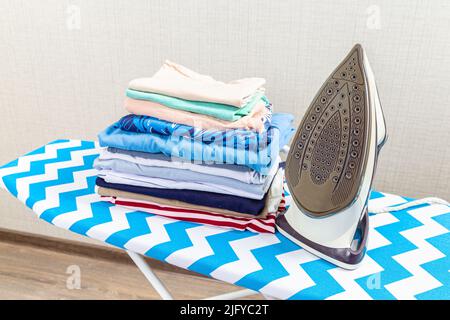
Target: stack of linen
pixel 196 149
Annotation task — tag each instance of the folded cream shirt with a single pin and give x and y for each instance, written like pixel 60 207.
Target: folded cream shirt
pixel 253 121
pixel 177 81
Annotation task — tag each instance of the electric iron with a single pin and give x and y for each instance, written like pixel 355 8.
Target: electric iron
pixel 331 164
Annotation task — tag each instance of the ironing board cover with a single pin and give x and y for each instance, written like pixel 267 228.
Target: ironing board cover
pixel 407 258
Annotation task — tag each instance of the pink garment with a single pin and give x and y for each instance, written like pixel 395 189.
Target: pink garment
pixel 177 81
pixel 253 121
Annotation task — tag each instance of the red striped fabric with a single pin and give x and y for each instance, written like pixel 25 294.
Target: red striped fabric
pixel 265 225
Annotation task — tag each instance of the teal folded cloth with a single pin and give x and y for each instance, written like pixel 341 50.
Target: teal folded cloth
pixel 217 110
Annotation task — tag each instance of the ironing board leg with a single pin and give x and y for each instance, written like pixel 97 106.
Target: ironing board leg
pixel 165 294
pixel 233 295
pixel 150 275
pixel 162 290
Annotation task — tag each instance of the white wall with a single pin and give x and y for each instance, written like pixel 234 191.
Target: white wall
pixel 64 66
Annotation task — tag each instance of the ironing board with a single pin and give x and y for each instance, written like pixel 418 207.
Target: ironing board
pixel 407 258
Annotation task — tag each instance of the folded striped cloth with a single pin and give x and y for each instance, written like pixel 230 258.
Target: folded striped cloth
pixel 263 225
pixel 276 204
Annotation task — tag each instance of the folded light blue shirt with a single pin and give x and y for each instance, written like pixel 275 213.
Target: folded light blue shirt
pixel 233 171
pixel 119 165
pixel 258 157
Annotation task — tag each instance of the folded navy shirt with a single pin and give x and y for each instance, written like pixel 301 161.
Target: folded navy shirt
pixel 202 198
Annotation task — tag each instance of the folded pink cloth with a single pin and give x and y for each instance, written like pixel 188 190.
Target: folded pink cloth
pixel 177 81
pixel 253 121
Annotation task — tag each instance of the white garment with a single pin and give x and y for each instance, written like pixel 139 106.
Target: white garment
pixel 248 176
pixel 177 81
pixel 149 182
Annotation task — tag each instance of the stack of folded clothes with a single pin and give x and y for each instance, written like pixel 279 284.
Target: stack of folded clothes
pixel 197 149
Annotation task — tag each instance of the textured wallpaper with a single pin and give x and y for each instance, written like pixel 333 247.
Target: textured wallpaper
pixel 64 66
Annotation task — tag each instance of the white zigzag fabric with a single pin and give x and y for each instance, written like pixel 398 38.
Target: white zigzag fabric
pixel 157 235
pixel 407 258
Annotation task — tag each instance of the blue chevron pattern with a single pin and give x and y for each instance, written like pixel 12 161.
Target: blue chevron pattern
pixel 57 181
pixel 138 227
pixel 318 270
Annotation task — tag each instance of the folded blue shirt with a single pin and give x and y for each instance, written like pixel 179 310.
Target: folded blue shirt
pixel 241 137
pixel 257 156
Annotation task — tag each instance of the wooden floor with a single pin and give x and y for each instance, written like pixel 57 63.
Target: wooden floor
pixel 34 268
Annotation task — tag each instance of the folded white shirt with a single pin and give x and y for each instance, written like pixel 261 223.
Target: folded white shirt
pixel 150 182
